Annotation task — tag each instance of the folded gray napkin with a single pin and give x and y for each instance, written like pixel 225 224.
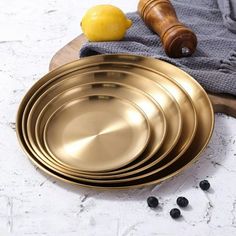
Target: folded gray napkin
pixel 213 64
pixel 228 10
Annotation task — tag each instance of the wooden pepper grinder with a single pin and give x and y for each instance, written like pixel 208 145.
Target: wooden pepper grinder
pixel 160 16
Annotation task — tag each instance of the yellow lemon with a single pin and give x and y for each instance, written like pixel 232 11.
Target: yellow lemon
pixel 105 23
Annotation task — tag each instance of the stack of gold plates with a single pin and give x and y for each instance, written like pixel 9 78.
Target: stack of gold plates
pixel 115 121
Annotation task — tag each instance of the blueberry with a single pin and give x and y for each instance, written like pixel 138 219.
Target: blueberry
pixel 182 201
pixel 152 202
pixel 175 213
pixel 204 185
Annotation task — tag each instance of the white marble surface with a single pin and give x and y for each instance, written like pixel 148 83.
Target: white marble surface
pixel 32 203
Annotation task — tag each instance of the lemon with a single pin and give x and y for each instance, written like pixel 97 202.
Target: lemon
pixel 105 23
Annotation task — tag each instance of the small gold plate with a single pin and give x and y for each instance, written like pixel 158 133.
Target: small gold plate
pixel 97 133
pixel 152 110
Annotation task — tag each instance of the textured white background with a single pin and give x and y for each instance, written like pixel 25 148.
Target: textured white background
pixel 32 203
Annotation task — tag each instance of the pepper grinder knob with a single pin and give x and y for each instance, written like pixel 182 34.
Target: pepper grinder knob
pixel 177 39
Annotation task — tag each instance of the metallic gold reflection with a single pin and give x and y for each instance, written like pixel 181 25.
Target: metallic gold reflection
pixel 113 126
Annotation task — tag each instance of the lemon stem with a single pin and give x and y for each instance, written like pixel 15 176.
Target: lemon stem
pixel 129 23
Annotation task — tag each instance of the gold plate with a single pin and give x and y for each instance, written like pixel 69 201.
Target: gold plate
pixel 200 99
pixel 126 77
pixel 97 133
pixel 153 111
pixel 166 101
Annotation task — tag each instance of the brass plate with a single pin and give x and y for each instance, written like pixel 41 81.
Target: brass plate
pixel 166 101
pixel 154 112
pixel 97 133
pixel 126 77
pixel 200 99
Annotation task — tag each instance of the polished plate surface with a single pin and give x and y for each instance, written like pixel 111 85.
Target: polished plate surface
pixel 96 133
pixel 115 75
pixel 152 110
pixel 156 91
pixel 201 102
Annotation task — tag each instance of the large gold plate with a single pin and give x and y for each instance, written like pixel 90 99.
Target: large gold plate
pixel 200 100
pixel 154 112
pixel 97 133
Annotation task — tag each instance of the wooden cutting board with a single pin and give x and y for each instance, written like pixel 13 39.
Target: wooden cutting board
pixel 222 103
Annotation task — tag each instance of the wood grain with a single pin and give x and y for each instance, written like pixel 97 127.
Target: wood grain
pixel 221 103
pixel 177 39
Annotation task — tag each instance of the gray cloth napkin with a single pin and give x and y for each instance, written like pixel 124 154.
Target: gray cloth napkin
pixel 228 10
pixel 213 64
